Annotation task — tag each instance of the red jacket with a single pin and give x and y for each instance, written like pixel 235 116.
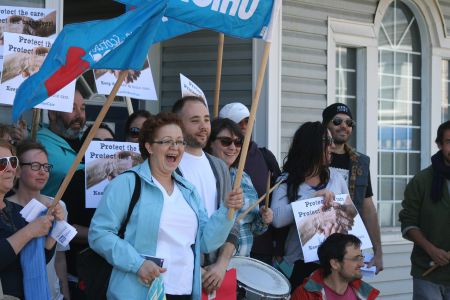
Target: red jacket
pixel 313 289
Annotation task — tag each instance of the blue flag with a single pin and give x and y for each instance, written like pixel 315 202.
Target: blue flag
pixel 120 43
pixel 242 19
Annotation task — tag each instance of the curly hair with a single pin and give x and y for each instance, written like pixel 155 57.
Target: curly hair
pixel 151 126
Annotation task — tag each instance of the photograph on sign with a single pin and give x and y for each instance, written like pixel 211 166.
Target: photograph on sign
pixel 315 224
pixel 104 160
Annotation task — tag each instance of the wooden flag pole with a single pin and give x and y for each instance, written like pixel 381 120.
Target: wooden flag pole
pixel 218 74
pixel 129 105
pixel 35 123
pixel 251 121
pixel 242 215
pixel 266 205
pixel 89 138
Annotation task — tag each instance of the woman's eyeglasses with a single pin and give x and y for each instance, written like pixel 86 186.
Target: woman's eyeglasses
pixel 13 161
pixel 36 166
pixel 349 122
pixel 133 132
pixel 179 143
pixel 227 141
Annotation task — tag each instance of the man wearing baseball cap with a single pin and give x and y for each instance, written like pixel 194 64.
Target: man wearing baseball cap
pixel 354 166
pixel 258 164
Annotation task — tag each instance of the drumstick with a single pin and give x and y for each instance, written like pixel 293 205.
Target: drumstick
pixel 434 267
pixel 242 215
pixel 268 190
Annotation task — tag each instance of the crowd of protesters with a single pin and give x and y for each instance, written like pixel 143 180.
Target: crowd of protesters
pixel 186 170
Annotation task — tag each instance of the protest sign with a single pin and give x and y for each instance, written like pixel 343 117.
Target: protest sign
pixel 104 161
pixel 137 84
pixel 189 88
pixel 26 20
pixel 23 56
pixel 315 224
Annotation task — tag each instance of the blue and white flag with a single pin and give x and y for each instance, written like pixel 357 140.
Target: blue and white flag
pixel 242 19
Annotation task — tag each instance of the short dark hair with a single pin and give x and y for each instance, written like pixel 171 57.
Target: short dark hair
pixel 7 145
pixel 102 126
pixel 306 157
pixel 149 128
pixel 138 113
pixel 440 132
pixel 28 145
pixel 219 124
pixel 334 248
pixel 4 129
pixel 178 106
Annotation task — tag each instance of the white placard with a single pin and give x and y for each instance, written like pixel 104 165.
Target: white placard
pixel 137 84
pixel 27 20
pixel 104 161
pixel 23 56
pixel 189 88
pixel 307 212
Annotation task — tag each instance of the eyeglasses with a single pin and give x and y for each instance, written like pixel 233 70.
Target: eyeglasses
pixel 103 140
pixel 133 132
pixel 227 141
pixel 172 143
pixel 349 122
pixel 359 258
pixel 36 166
pixel 12 160
pixel 328 140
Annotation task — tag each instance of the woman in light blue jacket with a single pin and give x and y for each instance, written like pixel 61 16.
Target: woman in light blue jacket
pixel 168 221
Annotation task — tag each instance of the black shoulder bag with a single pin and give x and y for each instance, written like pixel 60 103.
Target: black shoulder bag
pixel 93 270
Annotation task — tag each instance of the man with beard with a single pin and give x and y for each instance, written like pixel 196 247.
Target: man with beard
pixel 425 219
pixel 354 166
pixel 339 276
pixel 211 178
pixel 62 141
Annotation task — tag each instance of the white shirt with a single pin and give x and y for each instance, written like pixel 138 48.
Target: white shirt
pixel 197 170
pixel 177 232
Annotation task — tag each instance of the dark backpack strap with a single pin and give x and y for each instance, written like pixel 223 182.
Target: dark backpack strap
pixel 134 199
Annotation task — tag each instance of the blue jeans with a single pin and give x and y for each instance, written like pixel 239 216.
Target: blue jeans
pixel 426 290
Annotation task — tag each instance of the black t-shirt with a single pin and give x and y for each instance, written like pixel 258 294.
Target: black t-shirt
pixel 75 144
pixel 342 161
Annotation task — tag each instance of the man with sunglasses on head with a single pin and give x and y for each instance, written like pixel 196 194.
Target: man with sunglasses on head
pixel 354 166
pixel 62 139
pixel 211 178
pixel 339 276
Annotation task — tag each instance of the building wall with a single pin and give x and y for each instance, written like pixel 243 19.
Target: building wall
pixel 304 57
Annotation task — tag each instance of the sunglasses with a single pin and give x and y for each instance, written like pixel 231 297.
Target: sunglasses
pixel 133 132
pixel 227 141
pixel 103 140
pixel 36 166
pixel 12 160
pixel 349 122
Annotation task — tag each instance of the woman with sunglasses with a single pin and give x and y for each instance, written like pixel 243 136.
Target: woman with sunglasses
pixel 31 177
pixel 306 175
pixel 225 142
pixel 133 125
pixel 15 232
pixel 168 222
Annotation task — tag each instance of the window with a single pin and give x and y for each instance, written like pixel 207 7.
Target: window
pixel 445 114
pixel 399 108
pixel 346 81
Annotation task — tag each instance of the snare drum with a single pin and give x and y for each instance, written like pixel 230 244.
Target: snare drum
pixel 259 280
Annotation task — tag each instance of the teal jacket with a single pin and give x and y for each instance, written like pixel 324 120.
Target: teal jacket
pixel 142 230
pixel 60 155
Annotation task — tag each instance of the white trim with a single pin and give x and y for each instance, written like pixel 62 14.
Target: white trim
pixel 59 6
